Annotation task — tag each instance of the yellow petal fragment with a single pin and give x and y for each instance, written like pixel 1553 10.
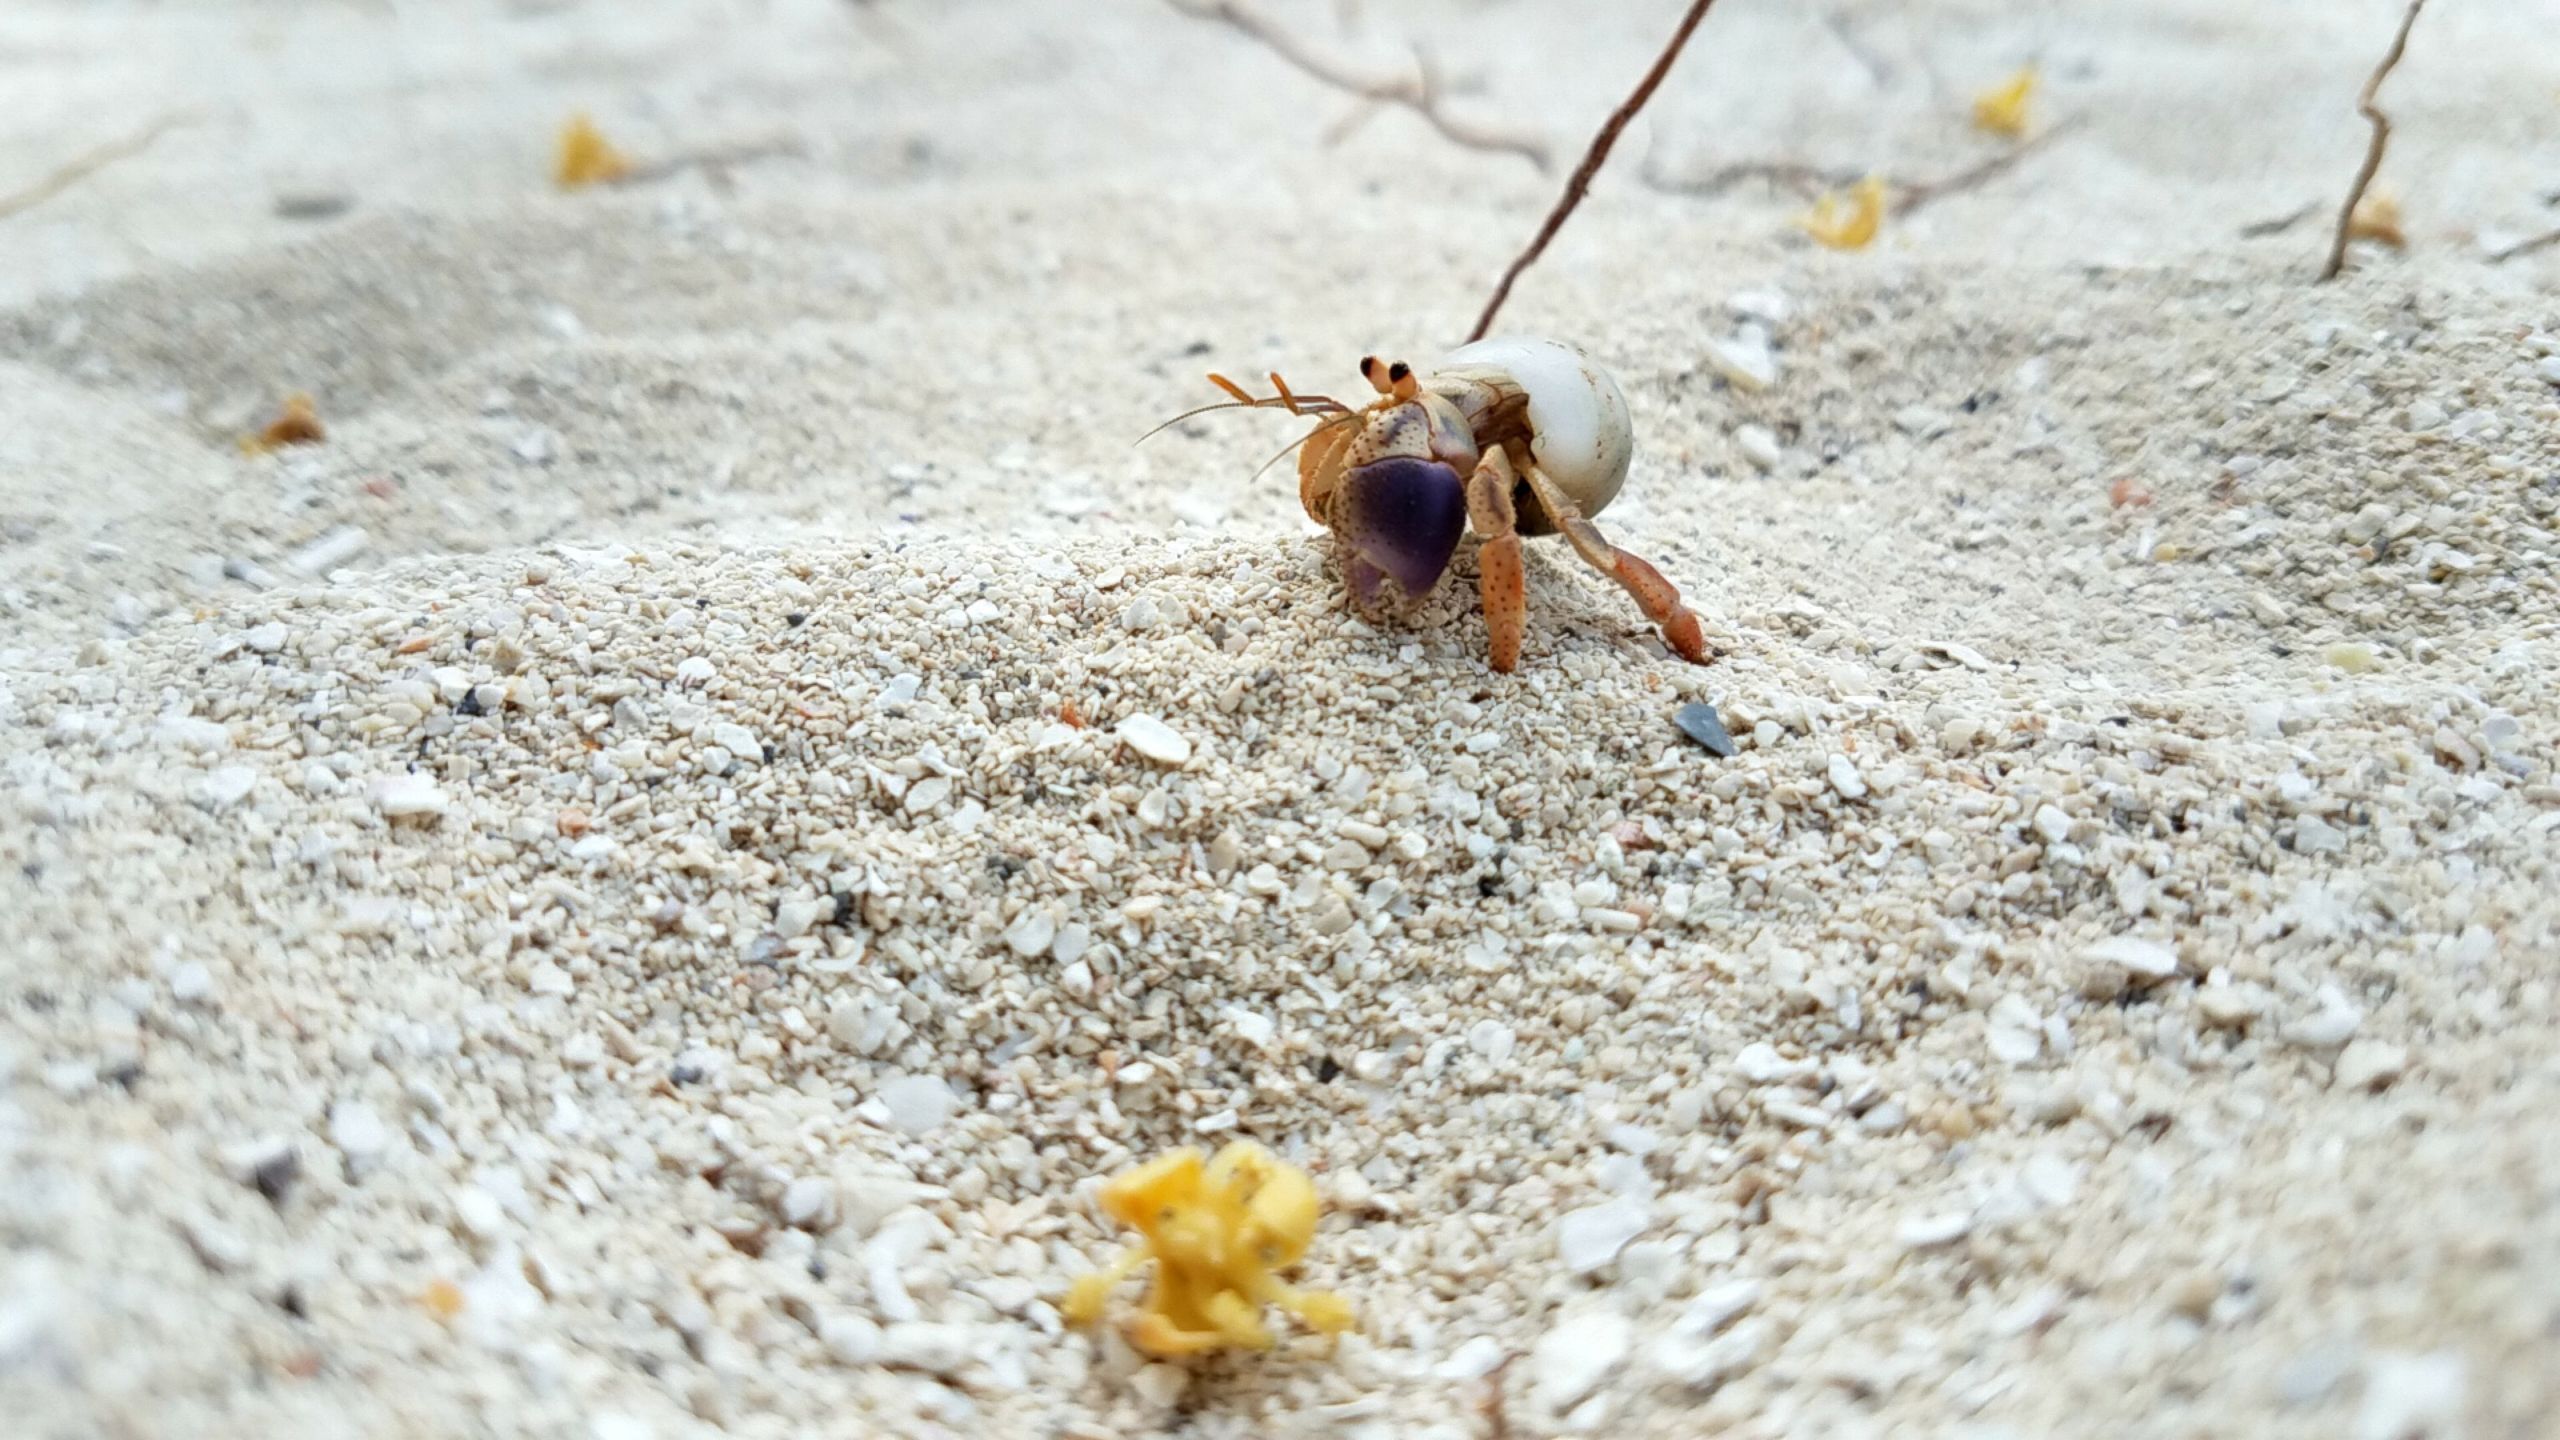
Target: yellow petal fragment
pixel 1848 222
pixel 586 157
pixel 1219 1231
pixel 298 423
pixel 2002 109
pixel 2377 218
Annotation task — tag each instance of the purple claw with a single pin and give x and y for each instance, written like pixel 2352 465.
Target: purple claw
pixel 1403 517
pixel 1365 579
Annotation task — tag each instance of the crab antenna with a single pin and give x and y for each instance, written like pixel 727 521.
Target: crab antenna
pixel 1187 414
pixel 1342 418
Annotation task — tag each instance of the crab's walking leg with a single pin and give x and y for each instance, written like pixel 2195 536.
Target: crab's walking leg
pixel 1653 594
pixel 1498 571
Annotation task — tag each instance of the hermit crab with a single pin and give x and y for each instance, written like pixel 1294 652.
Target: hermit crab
pixel 1515 436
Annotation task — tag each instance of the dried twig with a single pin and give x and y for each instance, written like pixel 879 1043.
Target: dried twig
pixel 2381 124
pixel 1904 196
pixel 83 166
pixel 716 160
pixel 2278 224
pixel 1580 180
pixel 1794 175
pixel 1842 30
pixel 1420 93
pixel 1911 197
pixel 2526 246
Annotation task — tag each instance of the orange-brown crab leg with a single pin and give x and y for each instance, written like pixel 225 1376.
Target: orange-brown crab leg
pixel 1653 594
pixel 1499 578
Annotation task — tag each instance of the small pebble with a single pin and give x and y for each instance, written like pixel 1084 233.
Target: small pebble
pixel 409 796
pixel 2327 1028
pixel 1573 1357
pixel 1590 1237
pixel 358 1132
pixel 191 984
pixel 1745 360
pixel 1846 779
pixel 1759 445
pixel 1155 739
pixel 2412 1397
pixel 1928 1232
pixel 1699 721
pixel 1160 1385
pixel 2150 959
pixel 917 1104
pixel 2370 1065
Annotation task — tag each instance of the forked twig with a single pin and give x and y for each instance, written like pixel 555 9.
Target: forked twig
pixel 1904 196
pixel 2278 224
pixel 1793 174
pixel 1420 94
pixel 81 167
pixel 1924 192
pixel 2381 124
pixel 714 159
pixel 2526 246
pixel 1580 181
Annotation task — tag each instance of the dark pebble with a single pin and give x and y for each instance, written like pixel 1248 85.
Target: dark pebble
pixel 1700 722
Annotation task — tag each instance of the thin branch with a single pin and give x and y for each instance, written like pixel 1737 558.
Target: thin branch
pixel 2381 124
pixel 2278 224
pixel 1599 151
pixel 1803 178
pixel 1837 22
pixel 715 160
pixel 1420 94
pixel 1904 196
pixel 2525 246
pixel 1926 192
pixel 83 166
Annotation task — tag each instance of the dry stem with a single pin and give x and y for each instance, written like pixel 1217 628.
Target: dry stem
pixel 2278 224
pixel 715 160
pixel 1903 196
pixel 83 166
pixel 1420 94
pixel 1925 192
pixel 2381 124
pixel 1580 181
pixel 1801 177
pixel 2525 246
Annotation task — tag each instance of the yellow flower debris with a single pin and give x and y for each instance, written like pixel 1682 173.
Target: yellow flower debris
pixel 1219 1233
pixel 586 157
pixel 2377 218
pixel 297 424
pixel 2002 110
pixel 1851 222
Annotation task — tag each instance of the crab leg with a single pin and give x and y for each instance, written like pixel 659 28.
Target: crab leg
pixel 1653 594
pixel 1498 572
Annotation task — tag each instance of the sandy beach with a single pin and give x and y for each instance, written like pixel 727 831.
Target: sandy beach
pixel 637 888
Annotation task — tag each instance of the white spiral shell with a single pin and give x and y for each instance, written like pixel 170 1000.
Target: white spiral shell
pixel 1584 433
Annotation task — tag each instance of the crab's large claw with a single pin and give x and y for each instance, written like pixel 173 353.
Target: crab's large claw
pixel 1402 517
